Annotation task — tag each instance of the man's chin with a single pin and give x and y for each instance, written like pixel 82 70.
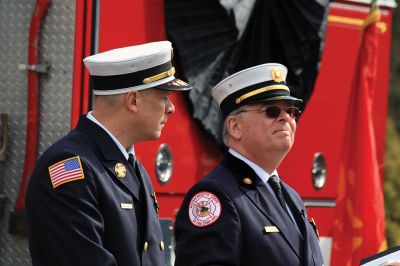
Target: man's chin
pixel 157 135
pixel 154 136
pixel 285 146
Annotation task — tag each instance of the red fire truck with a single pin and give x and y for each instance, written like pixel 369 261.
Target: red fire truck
pixel 57 37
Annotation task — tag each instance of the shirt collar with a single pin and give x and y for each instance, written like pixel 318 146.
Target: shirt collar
pixel 125 152
pixel 259 171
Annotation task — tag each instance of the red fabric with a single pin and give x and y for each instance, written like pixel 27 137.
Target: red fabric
pixel 359 227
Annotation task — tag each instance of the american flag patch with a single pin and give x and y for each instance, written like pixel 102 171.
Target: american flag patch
pixel 66 171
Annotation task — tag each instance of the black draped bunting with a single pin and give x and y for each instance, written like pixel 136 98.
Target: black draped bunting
pixel 214 39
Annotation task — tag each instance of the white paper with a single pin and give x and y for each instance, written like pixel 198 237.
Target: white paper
pixel 384 260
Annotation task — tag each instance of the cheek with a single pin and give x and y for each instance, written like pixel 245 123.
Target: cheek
pixel 256 132
pixel 248 129
pixel 160 107
pixel 293 126
pixel 156 111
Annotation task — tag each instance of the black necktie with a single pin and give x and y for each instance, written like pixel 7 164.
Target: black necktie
pixel 133 162
pixel 136 169
pixel 276 187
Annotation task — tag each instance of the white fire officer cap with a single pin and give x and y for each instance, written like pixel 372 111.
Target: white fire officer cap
pixel 136 67
pixel 262 83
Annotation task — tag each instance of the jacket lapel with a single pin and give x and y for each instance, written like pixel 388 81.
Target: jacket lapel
pixel 298 210
pixel 264 200
pixel 130 181
pixel 150 200
pixel 111 156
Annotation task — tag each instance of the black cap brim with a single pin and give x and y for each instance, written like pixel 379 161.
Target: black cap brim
pixel 297 102
pixel 282 98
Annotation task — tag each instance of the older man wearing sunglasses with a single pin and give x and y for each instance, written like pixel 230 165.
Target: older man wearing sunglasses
pixel 242 213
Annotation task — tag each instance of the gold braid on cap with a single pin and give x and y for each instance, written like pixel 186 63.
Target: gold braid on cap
pixel 159 76
pixel 258 91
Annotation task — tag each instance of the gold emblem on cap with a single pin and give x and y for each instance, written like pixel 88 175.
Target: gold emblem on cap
pixel 276 74
pixel 162 245
pixel 145 246
pixel 179 83
pixel 159 76
pixel 120 170
pixel 247 181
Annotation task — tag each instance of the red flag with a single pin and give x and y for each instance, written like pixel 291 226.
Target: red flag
pixel 359 226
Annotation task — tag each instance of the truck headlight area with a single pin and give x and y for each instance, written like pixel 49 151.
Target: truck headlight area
pixel 318 171
pixel 164 164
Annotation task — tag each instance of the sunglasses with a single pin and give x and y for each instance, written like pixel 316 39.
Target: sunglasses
pixel 274 111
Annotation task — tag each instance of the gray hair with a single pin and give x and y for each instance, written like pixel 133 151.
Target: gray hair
pixel 225 132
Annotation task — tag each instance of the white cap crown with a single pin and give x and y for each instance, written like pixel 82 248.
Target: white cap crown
pixel 136 67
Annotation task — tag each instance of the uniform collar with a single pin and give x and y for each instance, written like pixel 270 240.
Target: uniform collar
pixel 257 169
pixel 122 149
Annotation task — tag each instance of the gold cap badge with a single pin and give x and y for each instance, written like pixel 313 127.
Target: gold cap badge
pixel 247 181
pixel 276 74
pixel 120 170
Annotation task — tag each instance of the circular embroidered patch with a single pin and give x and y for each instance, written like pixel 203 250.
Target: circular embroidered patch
pixel 204 209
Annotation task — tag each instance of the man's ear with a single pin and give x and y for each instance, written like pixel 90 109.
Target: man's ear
pixel 131 100
pixel 234 128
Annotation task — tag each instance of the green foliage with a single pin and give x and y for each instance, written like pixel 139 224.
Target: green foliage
pixel 392 158
pixel 394 92
pixel 392 185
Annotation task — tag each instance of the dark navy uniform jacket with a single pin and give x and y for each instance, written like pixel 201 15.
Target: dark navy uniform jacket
pixel 252 228
pixel 87 221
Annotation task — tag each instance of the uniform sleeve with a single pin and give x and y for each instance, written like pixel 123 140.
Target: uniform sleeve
pixel 200 240
pixel 65 223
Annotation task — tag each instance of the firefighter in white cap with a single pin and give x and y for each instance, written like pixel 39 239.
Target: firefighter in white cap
pixel 242 213
pixel 89 201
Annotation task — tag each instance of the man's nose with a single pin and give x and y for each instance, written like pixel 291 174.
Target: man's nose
pixel 285 115
pixel 170 108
